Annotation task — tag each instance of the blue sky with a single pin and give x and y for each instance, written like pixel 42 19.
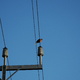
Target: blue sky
pixel 60 30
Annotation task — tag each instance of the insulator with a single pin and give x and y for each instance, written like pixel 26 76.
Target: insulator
pixel 40 51
pixel 5 52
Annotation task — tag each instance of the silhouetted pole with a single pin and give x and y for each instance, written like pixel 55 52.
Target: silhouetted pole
pixel 40 54
pixel 4 55
pixel 5 68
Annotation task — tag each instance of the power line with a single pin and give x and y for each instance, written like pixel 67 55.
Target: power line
pixel 35 34
pixel 4 42
pixel 38 22
pixel 39 31
pixel 38 17
pixel 2 33
pixel 33 20
pixel 42 73
pixel 8 65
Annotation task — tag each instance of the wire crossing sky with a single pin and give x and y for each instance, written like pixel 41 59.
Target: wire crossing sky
pixel 2 33
pixel 59 28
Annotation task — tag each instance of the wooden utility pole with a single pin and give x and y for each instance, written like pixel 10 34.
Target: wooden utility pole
pixel 5 68
pixel 4 55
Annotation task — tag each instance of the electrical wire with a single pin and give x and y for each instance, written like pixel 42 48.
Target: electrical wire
pixel 35 35
pixel 37 10
pixel 42 73
pixel 4 42
pixel 8 65
pixel 39 32
pixel 33 20
pixel 2 33
pixel 38 17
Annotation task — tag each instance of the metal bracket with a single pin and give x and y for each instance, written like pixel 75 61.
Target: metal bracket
pixel 12 74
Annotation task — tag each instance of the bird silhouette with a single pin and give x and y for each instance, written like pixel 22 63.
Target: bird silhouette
pixel 39 40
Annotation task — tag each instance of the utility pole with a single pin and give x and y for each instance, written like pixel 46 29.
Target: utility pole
pixel 4 55
pixel 5 68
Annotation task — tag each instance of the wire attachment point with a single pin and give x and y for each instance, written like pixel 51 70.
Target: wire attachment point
pixel 40 54
pixel 5 52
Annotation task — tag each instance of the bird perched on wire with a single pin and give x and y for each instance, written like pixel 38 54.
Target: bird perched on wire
pixel 39 40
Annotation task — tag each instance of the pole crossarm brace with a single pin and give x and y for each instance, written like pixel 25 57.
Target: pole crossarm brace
pixel 12 74
pixel 22 67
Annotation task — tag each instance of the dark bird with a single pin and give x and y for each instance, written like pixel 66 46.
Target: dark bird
pixel 39 40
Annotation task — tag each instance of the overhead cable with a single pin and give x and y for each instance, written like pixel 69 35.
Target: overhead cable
pixel 8 65
pixel 35 35
pixel 4 41
pixel 38 22
pixel 39 31
pixel 2 33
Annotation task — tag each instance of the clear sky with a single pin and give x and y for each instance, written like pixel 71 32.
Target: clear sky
pixel 60 30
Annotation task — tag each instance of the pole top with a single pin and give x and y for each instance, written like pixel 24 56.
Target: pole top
pixel 40 51
pixel 5 52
